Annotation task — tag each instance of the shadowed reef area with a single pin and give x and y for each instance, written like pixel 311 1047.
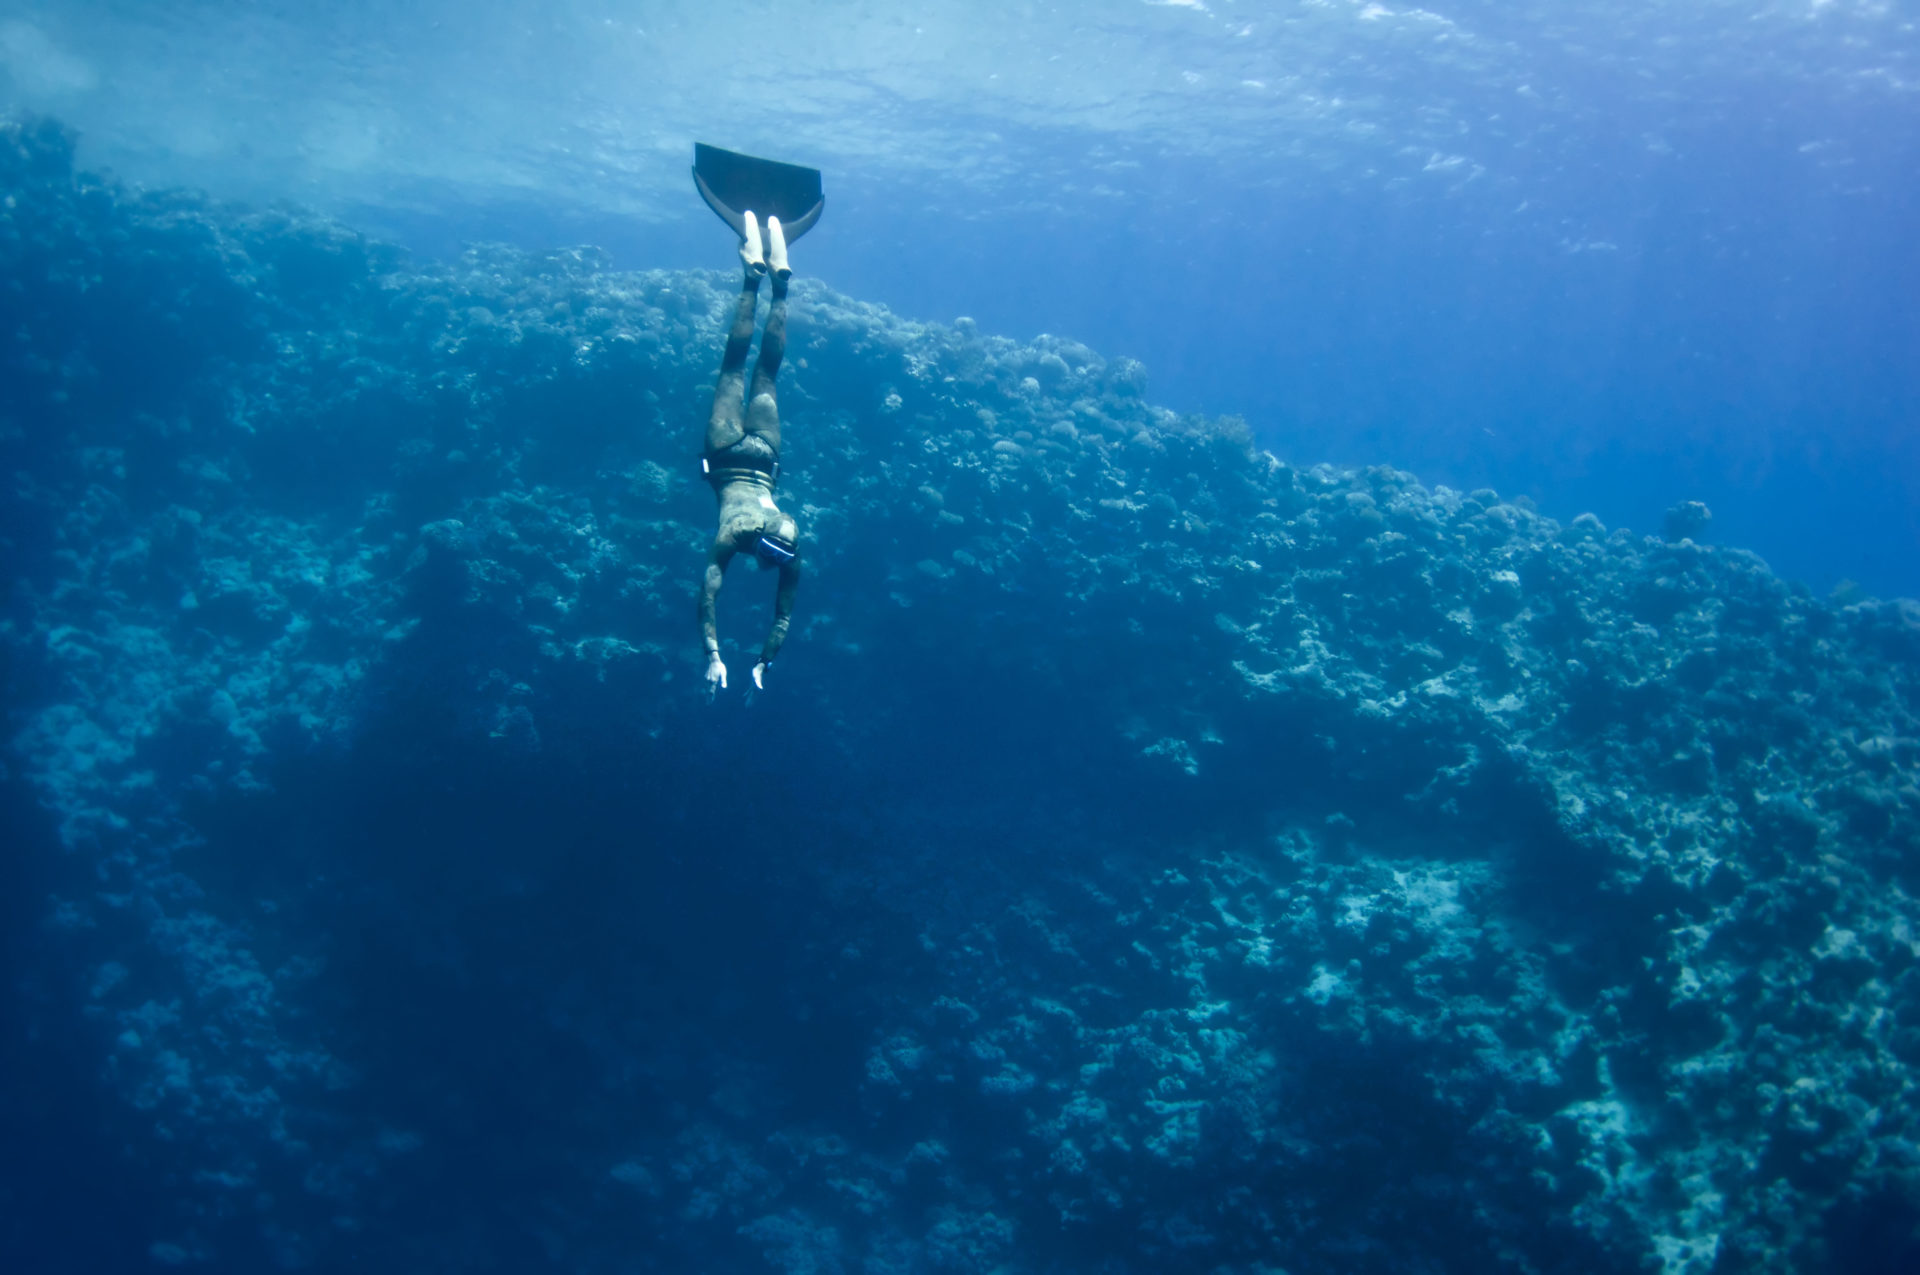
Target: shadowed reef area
pixel 1147 856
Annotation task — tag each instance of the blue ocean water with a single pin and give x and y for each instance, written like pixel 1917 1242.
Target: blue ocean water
pixel 1605 258
pixel 1259 781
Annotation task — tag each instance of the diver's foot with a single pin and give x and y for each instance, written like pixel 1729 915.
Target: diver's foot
pixel 750 247
pixel 777 251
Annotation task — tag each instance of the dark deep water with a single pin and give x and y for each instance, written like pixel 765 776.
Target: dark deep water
pixel 1155 850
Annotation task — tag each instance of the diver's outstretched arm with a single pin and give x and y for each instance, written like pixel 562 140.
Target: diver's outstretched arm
pixel 782 617
pixel 716 575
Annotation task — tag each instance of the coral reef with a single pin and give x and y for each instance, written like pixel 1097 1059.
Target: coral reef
pixel 1148 855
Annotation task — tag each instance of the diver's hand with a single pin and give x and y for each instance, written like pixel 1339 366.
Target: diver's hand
pixel 759 673
pixel 716 674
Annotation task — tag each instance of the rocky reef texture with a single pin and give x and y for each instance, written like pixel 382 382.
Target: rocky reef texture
pixel 1148 855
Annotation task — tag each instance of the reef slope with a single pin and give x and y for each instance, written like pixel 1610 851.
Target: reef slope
pixel 1148 855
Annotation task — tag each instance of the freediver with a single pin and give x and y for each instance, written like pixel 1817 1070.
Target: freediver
pixel 742 458
pixel 742 455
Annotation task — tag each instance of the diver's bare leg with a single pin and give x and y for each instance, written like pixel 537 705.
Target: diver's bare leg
pixel 763 410
pixel 725 426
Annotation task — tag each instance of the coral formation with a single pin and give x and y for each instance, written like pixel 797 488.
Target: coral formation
pixel 1149 855
pixel 1687 520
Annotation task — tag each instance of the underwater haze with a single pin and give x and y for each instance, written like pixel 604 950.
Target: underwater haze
pixel 1607 255
pixel 1351 705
